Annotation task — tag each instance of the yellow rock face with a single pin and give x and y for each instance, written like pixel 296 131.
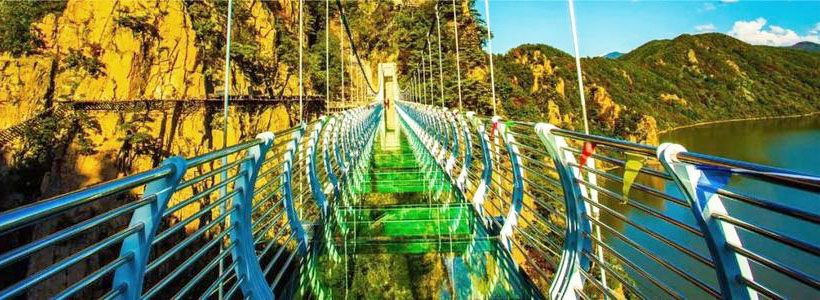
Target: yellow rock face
pixel 608 111
pixel 477 74
pixel 673 99
pixel 646 131
pixel 691 57
pixel 21 90
pixel 145 50
pixel 154 63
pixel 559 88
pixel 553 113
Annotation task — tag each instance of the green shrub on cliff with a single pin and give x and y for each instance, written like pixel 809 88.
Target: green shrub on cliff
pixel 16 17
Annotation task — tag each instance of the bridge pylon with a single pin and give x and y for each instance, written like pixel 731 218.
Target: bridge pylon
pixel 389 94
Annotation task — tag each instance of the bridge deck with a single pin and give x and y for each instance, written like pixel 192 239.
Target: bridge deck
pixel 409 213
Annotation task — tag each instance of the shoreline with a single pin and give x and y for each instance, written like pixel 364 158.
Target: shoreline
pixel 737 120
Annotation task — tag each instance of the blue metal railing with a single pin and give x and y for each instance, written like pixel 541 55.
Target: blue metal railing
pixel 635 221
pixel 181 231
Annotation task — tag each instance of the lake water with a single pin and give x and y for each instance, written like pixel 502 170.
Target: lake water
pixel 791 143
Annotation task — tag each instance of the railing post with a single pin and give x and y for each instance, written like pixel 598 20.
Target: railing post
pixel 729 265
pixel 330 134
pixel 293 218
pixel 451 161
pixel 254 284
pixel 442 132
pixel 129 277
pixel 568 277
pixel 487 171
pixel 468 154
pixel 313 177
pixel 518 187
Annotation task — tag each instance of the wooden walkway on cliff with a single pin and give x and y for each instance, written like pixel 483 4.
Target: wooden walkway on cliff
pixel 312 103
pixel 153 104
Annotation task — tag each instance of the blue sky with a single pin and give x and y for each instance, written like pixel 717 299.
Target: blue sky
pixel 606 26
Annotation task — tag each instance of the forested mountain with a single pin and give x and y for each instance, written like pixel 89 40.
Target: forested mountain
pixel 689 79
pixel 613 55
pixel 808 46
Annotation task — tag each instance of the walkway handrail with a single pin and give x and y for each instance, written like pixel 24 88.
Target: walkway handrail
pixel 167 220
pixel 659 221
pixel 583 216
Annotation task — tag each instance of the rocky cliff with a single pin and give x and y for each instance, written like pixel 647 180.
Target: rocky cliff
pixel 125 51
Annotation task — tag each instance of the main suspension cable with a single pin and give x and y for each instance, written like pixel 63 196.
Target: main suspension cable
pixel 353 45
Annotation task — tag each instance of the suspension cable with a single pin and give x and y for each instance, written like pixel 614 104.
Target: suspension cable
pixel 418 85
pixel 490 48
pixel 430 61
pixel 342 57
pixel 226 91
pixel 424 77
pixel 458 59
pixel 440 68
pixel 227 88
pixel 586 122
pixel 353 44
pixel 578 65
pixel 301 82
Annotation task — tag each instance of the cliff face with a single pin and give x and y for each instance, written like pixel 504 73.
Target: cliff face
pixel 121 51
pixel 128 50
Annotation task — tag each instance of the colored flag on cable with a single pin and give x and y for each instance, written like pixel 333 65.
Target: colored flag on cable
pixel 508 124
pixel 634 164
pixel 589 149
pixel 713 179
pixel 492 131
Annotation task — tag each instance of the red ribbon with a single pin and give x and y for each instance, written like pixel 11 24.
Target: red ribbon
pixel 589 149
pixel 495 127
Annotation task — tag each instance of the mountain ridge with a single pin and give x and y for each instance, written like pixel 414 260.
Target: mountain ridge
pixel 613 55
pixel 673 82
pixel 807 46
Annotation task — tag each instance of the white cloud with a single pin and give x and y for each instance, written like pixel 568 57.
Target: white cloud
pixel 753 32
pixel 705 27
pixel 816 29
pixel 708 6
pixel 728 1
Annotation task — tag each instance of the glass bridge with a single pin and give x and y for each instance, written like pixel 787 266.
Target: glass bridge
pixel 411 201
pixel 404 233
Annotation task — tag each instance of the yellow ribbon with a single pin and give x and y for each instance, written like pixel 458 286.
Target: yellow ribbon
pixel 634 163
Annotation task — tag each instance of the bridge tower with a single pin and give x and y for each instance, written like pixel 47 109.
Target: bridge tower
pixel 389 94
